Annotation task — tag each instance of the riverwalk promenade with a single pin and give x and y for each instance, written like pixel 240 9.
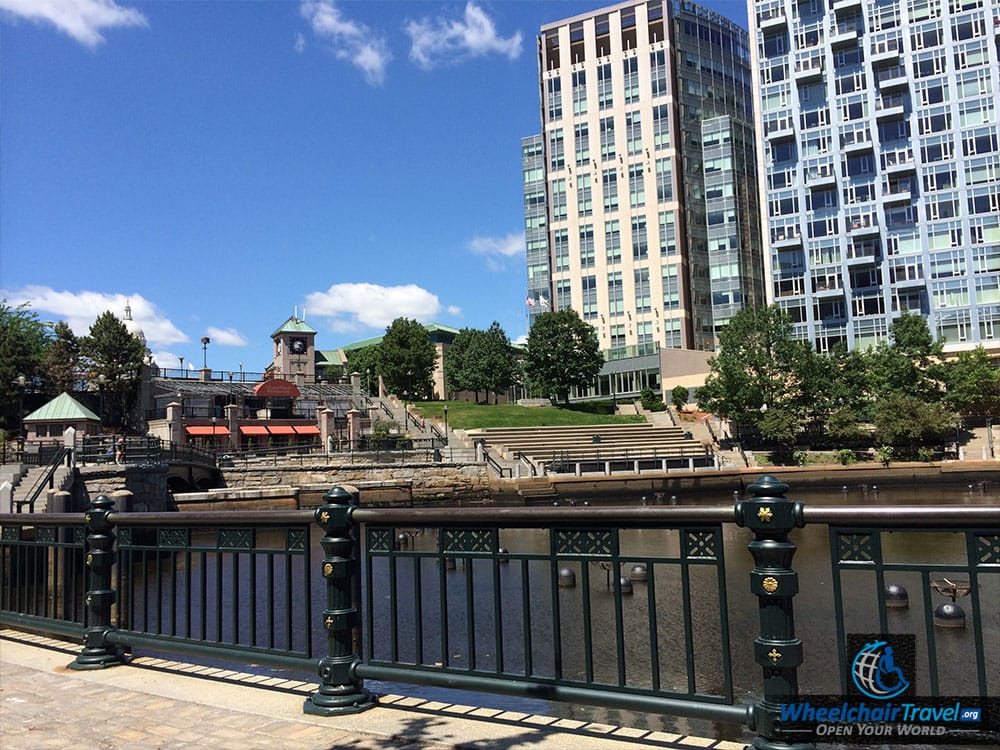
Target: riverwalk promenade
pixel 153 703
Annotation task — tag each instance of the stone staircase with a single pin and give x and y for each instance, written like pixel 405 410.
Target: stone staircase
pixel 61 480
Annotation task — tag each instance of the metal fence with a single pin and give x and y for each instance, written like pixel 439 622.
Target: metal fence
pixel 631 608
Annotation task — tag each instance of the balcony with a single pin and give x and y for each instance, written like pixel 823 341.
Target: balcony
pixel 861 226
pixel 896 164
pixel 786 241
pixel 845 6
pixel 905 283
pixel 844 34
pixel 858 144
pixel 896 195
pixel 783 131
pixel 891 106
pixel 827 291
pixel 824 176
pixel 884 56
pixel 892 79
pixel 772 20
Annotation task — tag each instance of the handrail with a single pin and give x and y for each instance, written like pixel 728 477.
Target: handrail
pixel 527 462
pixel 45 479
pixel 500 469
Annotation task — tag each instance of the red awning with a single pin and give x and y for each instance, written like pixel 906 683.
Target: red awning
pixel 253 429
pixel 281 429
pixel 309 429
pixel 206 430
pixel 276 388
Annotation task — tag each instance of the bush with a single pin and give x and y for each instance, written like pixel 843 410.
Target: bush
pixel 679 397
pixel 801 458
pixel 652 402
pixel 846 457
pixel 885 454
pixel 925 454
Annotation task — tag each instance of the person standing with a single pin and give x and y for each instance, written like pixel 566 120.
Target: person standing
pixel 120 449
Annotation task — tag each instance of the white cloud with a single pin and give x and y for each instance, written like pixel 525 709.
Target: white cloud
pixel 81 19
pixel 350 40
pixel 300 42
pixel 81 309
pixel 455 311
pixel 354 307
pixel 508 247
pixel 226 336
pixel 443 41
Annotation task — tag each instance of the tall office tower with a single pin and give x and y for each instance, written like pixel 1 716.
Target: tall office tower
pixel 624 91
pixel 881 165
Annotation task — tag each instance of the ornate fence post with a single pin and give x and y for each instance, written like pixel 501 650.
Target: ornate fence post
pixel 98 653
pixel 770 516
pixel 340 692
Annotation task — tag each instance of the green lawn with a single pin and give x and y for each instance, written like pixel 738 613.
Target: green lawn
pixel 465 416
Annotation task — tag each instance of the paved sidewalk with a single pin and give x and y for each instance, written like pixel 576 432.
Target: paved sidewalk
pixel 157 704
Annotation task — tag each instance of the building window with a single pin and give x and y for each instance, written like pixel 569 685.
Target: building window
pixel 616 294
pixel 589 297
pixel 640 245
pixel 631 70
pixel 560 240
pixel 581 136
pixel 557 154
pixel 607 139
pixel 668 233
pixel 661 127
pixel 609 189
pixel 658 71
pixel 579 92
pixel 664 180
pixel 643 300
pixel 587 246
pixel 633 133
pixel 559 199
pixel 671 289
pixel 584 197
pixel 605 88
pixel 613 241
pixel 564 298
pixel 553 88
pixel 636 186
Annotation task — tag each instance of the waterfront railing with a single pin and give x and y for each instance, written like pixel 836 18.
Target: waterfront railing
pixel 637 608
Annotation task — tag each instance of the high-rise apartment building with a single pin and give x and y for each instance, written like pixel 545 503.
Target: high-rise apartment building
pixel 881 165
pixel 617 220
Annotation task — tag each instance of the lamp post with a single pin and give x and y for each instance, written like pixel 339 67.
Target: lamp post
pixel 241 372
pixel 368 382
pixel 182 366
pixel 205 341
pixel 446 424
pixel 21 383
pixel 213 434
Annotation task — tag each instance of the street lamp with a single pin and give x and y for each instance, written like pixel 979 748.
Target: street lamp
pixel 446 424
pixel 368 382
pixel 213 433
pixel 101 382
pixel 21 383
pixel 205 341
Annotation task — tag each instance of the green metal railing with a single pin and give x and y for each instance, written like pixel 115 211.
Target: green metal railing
pixel 631 608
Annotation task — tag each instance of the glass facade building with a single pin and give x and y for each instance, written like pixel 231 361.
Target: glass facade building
pixel 614 186
pixel 880 165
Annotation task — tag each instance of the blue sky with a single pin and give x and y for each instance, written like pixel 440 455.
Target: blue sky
pixel 221 165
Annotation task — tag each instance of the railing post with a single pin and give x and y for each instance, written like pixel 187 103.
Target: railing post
pixel 98 653
pixel 770 516
pixel 340 691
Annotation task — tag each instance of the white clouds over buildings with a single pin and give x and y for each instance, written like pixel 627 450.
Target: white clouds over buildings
pixel 226 336
pixel 497 249
pixel 353 307
pixel 83 20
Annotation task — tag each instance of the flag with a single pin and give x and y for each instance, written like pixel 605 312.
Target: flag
pixel 544 301
pixel 530 302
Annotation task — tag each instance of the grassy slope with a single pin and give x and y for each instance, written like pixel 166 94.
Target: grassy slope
pixel 465 416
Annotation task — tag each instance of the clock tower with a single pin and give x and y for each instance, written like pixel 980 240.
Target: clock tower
pixel 294 351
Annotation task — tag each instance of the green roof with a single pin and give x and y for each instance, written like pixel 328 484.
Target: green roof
pixel 437 332
pixel 63 408
pixel 294 325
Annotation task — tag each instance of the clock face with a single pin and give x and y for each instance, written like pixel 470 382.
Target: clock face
pixel 297 346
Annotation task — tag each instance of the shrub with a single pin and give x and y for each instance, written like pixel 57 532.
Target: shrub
pixel 925 454
pixel 885 454
pixel 801 458
pixel 846 457
pixel 679 397
pixel 652 402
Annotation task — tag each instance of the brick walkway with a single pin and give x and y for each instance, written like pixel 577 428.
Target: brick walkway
pixel 152 704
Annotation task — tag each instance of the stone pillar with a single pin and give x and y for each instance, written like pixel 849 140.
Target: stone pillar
pixel 6 497
pixel 355 384
pixel 354 427
pixel 175 422
pixel 205 374
pixel 233 423
pixel 327 427
pixel 69 441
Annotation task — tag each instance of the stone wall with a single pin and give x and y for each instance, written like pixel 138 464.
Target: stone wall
pixel 400 482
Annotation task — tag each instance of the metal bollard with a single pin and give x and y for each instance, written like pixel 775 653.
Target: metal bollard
pixel 770 516
pixel 98 653
pixel 340 691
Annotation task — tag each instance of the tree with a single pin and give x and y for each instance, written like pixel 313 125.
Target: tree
pixel 972 384
pixel 780 426
pixel 406 359
pixel 562 352
pixel 62 360
pixel 756 367
pixel 463 370
pixel 906 421
pixel 907 365
pixel 679 396
pixel 499 360
pixel 23 343
pixel 109 350
pixel 364 361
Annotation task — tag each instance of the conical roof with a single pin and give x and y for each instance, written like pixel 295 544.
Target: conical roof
pixel 63 408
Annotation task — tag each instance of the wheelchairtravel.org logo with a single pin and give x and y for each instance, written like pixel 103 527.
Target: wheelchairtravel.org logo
pixel 882 704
